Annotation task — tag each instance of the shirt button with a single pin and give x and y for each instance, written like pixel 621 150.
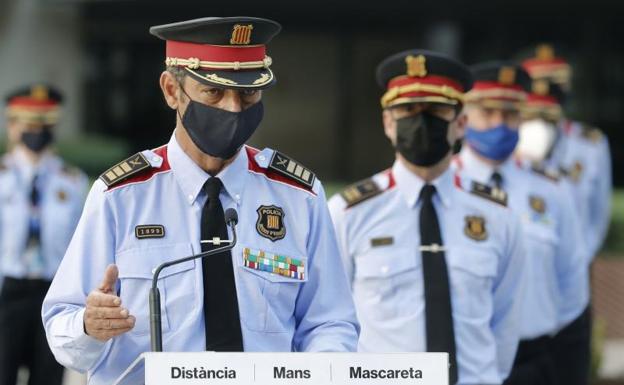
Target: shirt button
pixel 190 197
pixel 155 159
pixel 237 197
pixel 384 269
pixel 261 157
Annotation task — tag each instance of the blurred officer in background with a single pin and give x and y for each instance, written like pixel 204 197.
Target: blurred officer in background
pixel 435 261
pixel 282 288
pixel 556 290
pixel 41 199
pixel 580 152
pixel 540 143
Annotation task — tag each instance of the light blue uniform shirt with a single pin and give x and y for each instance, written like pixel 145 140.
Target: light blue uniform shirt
pixel 311 313
pixel 557 290
pixel 586 159
pixel 380 242
pixel 62 191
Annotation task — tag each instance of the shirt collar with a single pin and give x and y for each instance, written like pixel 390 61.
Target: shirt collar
pixel 410 184
pixel 47 162
pixel 480 170
pixel 191 177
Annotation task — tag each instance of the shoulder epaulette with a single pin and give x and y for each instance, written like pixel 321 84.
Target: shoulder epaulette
pixel 284 165
pixel 125 169
pixel 592 134
pixel 493 194
pixel 71 170
pixel 549 174
pixel 360 191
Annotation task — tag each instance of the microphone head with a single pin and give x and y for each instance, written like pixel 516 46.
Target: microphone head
pixel 231 216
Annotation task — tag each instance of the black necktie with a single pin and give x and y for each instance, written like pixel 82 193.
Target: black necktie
pixel 438 311
pixel 223 331
pixel 497 179
pixel 34 229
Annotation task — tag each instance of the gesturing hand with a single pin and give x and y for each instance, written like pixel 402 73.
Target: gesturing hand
pixel 104 317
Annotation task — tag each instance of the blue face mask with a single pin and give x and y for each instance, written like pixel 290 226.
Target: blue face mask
pixel 496 143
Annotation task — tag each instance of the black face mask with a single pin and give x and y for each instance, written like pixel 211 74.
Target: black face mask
pixel 218 132
pixel 37 141
pixel 422 139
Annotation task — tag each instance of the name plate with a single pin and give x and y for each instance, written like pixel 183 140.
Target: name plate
pixel 296 368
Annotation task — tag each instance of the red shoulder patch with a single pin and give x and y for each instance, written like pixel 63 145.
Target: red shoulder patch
pixel 149 172
pixel 270 174
pixel 391 181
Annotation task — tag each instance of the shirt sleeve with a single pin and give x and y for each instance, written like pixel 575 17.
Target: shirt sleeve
pixel 600 205
pixel 571 261
pixel 325 313
pixel 508 289
pixel 337 211
pixel 90 251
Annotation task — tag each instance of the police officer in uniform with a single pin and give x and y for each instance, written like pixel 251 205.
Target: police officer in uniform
pixel 556 290
pixel 41 199
pixel 435 260
pixel 581 153
pixel 282 288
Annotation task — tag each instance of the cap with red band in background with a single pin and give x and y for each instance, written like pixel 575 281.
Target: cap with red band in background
pixel 543 63
pixel 35 104
pixel 544 101
pixel 228 52
pixel 499 84
pixel 422 76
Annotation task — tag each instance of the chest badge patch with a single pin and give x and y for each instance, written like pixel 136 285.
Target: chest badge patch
pixel 537 204
pixel 576 171
pixel 475 228
pixel 149 231
pixel 61 195
pixel 270 223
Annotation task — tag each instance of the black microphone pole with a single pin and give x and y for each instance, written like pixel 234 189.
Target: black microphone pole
pixel 231 219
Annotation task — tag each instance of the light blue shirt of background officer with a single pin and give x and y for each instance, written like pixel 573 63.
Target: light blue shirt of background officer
pixel 290 286
pixel 380 233
pixel 32 171
pixel 582 158
pixel 557 290
pixel 578 151
pixel 41 198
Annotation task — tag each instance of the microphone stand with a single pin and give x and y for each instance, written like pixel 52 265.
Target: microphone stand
pixel 154 295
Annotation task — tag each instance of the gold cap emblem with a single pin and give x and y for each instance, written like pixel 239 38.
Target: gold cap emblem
pixel 544 52
pixel 416 66
pixel 507 76
pixel 241 34
pixel 541 87
pixel 39 93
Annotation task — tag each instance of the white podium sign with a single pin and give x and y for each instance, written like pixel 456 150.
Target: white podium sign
pixel 289 368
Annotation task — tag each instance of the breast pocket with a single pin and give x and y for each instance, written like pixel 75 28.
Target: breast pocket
pixel 388 282
pixel 177 284
pixel 472 274
pixel 268 284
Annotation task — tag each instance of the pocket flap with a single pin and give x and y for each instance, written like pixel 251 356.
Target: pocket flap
pixel 482 263
pixel 141 262
pixel 386 262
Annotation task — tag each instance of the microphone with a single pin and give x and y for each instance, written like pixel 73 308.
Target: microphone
pixel 231 219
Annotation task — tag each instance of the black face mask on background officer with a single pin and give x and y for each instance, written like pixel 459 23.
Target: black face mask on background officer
pixel 424 133
pixel 30 126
